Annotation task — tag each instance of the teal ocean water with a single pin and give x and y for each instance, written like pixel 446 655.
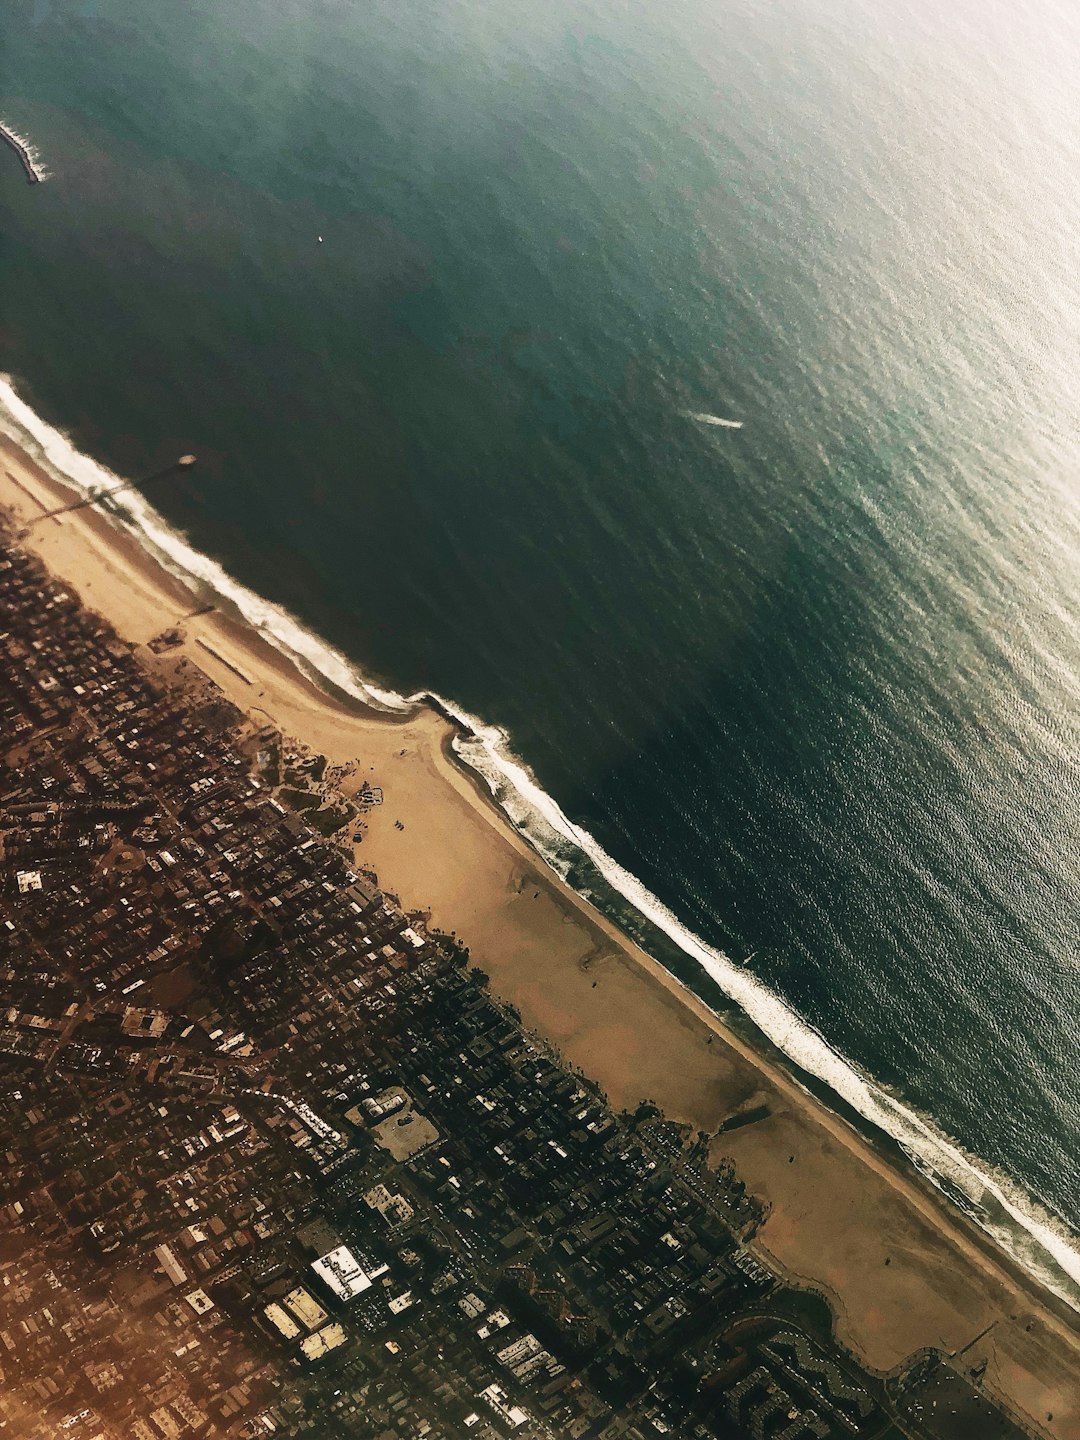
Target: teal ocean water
pixel 449 297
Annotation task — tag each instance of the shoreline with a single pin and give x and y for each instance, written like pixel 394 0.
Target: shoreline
pixel 1028 1233
pixel 609 1007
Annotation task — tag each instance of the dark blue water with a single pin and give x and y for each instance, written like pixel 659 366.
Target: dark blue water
pixel 813 681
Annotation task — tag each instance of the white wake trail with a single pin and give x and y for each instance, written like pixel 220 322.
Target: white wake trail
pixel 714 420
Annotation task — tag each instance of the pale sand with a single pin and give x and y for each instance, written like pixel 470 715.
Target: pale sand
pixel 836 1213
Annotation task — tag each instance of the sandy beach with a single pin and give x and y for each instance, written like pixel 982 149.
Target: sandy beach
pixel 901 1271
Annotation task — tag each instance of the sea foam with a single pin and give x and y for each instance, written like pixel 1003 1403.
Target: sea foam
pixel 1024 1228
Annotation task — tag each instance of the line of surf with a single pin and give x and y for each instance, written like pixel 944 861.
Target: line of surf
pixel 58 456
pixel 1024 1229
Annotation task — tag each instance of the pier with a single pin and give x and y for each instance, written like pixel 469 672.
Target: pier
pixel 184 463
pixel 34 173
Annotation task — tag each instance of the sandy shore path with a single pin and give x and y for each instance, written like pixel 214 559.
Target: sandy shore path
pixel 901 1271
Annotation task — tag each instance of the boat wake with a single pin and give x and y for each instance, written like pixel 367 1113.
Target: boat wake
pixel 713 420
pixel 1028 1231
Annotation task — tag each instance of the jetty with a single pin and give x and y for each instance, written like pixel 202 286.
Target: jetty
pixel 34 173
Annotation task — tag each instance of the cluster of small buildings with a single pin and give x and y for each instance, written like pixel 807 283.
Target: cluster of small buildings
pixel 275 1161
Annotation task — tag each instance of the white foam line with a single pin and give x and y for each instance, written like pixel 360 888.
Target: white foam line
pixel 1054 1256
pixel 69 465
pixel 1038 1241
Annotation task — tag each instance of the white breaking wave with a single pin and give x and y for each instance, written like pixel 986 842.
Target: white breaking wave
pixel 714 420
pixel 1024 1229
pixel 57 454
pixel 1036 1239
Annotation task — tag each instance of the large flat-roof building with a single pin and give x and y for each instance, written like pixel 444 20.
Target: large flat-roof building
pixel 322 1342
pixel 282 1321
pixel 342 1273
pixel 305 1308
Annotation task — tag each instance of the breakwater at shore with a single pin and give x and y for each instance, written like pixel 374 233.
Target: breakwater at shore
pixel 31 164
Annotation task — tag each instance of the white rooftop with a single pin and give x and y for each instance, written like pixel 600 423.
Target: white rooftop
pixel 344 1274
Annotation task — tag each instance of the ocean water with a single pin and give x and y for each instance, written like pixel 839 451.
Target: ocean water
pixel 449 298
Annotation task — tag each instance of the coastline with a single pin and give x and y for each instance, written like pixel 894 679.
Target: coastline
pixel 1028 1234
pixel 611 1009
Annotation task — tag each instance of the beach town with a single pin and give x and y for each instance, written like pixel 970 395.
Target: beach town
pixel 328 1109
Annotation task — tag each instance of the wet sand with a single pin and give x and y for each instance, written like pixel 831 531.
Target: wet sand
pixel 837 1211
